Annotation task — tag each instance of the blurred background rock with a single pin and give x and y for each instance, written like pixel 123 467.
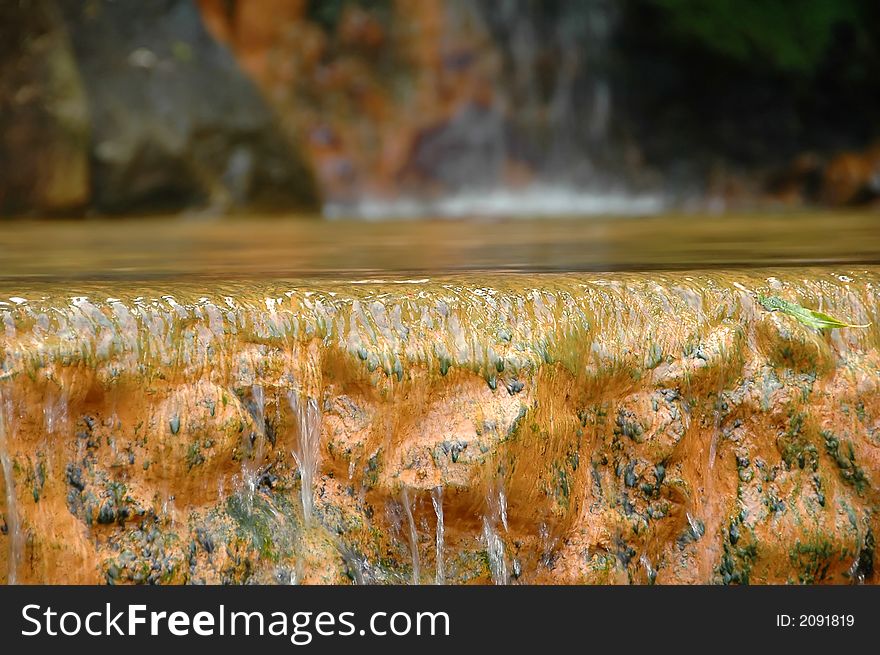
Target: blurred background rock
pixel 223 106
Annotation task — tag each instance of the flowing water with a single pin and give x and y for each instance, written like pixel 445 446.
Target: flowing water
pixel 495 553
pixel 308 423
pixel 437 501
pixel 413 535
pixel 252 466
pixel 495 527
pixel 13 531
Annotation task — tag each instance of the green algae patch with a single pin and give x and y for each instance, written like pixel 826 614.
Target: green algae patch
pixel 795 445
pixel 812 559
pixel 844 457
pixel 740 553
pixel 268 525
pixel 150 553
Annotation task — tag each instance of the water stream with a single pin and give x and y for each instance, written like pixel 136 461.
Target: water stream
pixel 437 501
pixel 307 450
pixel 495 551
pixel 13 530
pixel 252 466
pixel 493 538
pixel 413 535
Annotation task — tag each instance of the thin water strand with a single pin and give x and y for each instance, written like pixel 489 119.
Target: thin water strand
pixel 413 535
pixel 495 553
pixel 437 502
pixel 12 525
pixel 307 451
pixel 251 467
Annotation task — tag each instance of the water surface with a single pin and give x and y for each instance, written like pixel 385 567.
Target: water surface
pixel 273 248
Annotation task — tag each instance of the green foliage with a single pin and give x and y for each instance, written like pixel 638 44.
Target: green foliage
pixel 328 13
pixel 809 317
pixel 791 36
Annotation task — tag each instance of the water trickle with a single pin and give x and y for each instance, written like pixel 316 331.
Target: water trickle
pixel 251 468
pixel 716 433
pixel 259 404
pixel 502 508
pixel 307 450
pixel 413 535
pixel 12 525
pixel 495 552
pixel 496 502
pixel 356 563
pixel 437 501
pixel 55 411
pixel 548 544
pixel 496 513
pixel 650 571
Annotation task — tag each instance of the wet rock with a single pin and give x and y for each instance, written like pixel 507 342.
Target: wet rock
pixel 744 468
pixel 44 120
pixel 174 123
pixel 852 178
pixel 468 150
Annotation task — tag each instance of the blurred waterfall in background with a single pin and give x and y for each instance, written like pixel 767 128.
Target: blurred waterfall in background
pixel 534 135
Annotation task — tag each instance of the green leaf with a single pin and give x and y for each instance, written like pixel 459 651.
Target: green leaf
pixel 809 317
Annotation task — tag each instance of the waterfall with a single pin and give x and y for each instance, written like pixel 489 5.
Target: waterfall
pixel 307 450
pixel 547 111
pixel 650 571
pixel 561 113
pixel 502 508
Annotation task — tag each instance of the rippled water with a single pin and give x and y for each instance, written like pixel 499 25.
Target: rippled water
pixel 282 247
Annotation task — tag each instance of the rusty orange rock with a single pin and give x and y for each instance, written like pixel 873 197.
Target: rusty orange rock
pixel 852 177
pixel 598 428
pixel 332 75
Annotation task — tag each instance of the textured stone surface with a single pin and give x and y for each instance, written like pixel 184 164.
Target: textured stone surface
pixel 590 428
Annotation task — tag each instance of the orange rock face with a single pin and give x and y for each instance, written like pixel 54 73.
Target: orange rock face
pixel 602 428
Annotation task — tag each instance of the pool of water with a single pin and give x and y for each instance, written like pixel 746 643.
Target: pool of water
pixel 282 247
